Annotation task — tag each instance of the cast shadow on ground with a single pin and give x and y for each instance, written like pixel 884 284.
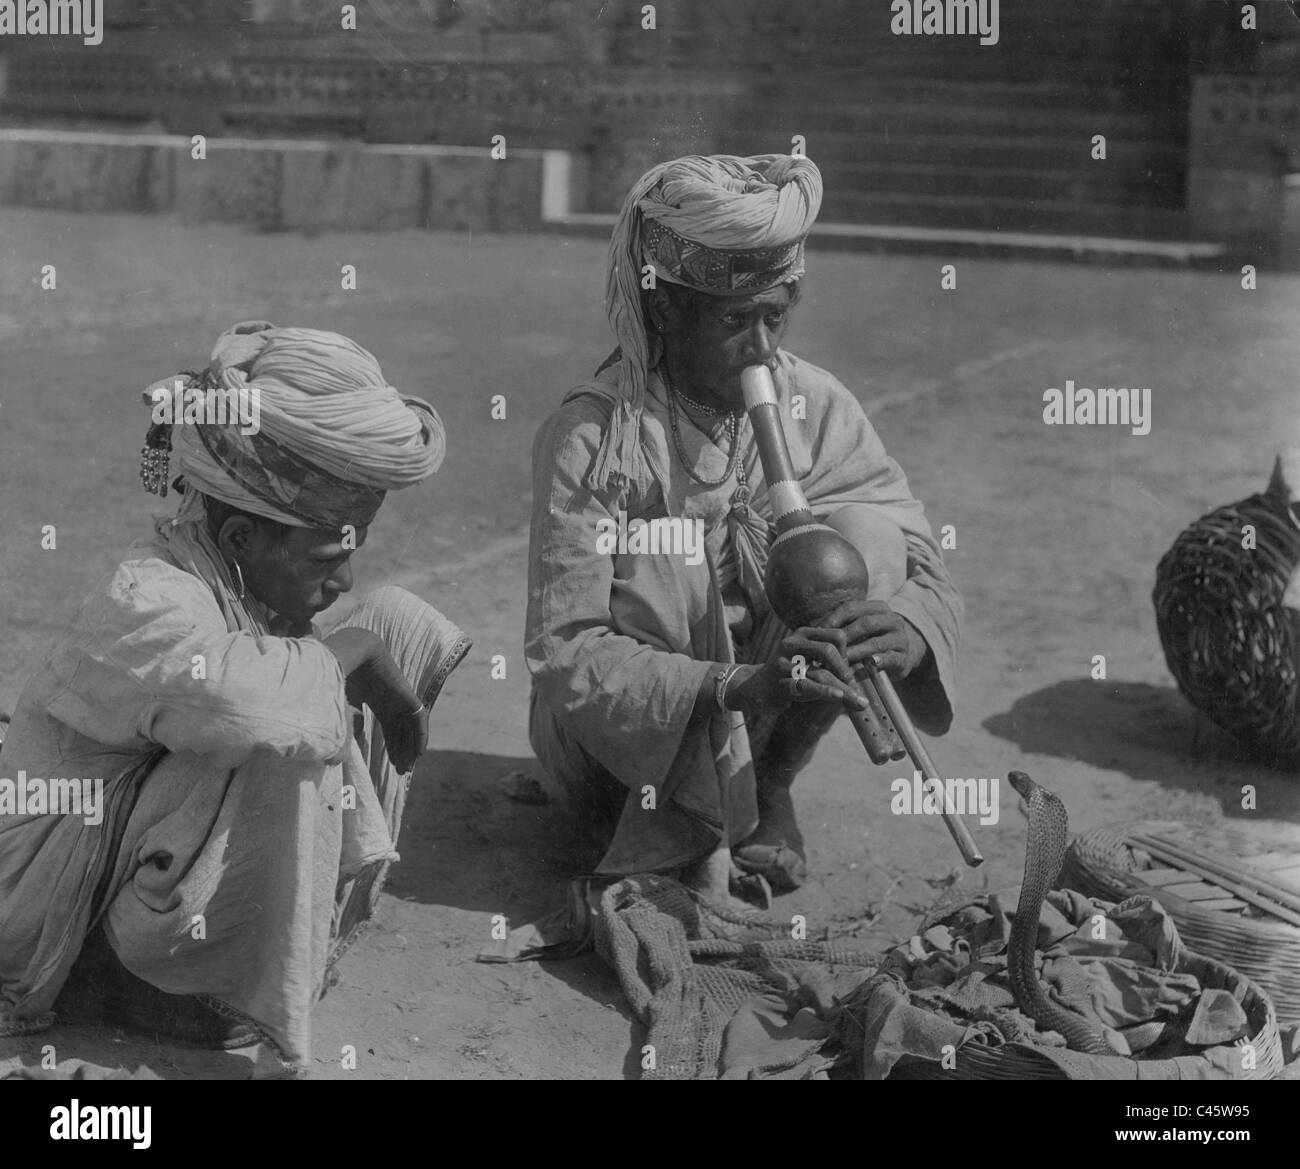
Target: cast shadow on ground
pixel 466 844
pixel 591 977
pixel 1150 733
pixel 113 1047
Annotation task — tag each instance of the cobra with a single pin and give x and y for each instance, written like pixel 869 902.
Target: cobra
pixel 1044 855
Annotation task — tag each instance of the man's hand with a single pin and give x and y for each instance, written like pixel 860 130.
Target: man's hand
pixel 873 630
pixel 406 735
pixel 824 675
pixel 373 678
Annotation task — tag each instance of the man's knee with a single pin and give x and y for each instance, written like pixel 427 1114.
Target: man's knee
pixel 387 611
pixel 583 786
pixel 881 543
pixel 426 644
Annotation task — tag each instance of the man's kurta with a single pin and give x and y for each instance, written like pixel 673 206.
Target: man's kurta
pixel 223 755
pixel 619 645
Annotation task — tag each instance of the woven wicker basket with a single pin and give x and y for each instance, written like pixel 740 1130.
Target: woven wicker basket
pixel 1021 1062
pixel 1106 863
pixel 1231 645
pixel 974 1061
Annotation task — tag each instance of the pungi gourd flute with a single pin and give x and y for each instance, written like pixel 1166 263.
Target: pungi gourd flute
pixel 812 569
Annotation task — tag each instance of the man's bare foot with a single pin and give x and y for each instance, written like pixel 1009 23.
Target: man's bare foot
pixel 711 877
pixel 775 849
pixel 720 883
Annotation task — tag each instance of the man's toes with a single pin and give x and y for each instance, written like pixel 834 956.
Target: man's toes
pixel 780 865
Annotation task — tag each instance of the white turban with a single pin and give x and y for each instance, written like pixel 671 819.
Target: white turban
pixel 333 435
pixel 720 224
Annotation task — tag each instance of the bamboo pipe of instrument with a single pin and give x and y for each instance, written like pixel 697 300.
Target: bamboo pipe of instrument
pixel 811 570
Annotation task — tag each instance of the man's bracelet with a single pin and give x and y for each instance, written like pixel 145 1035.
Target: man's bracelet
pixel 720 682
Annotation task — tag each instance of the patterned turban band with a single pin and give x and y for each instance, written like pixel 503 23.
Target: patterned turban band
pixel 721 225
pixel 682 261
pixel 297 425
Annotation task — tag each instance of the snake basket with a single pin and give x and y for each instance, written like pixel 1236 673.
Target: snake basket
pixel 1230 643
pixel 1020 1061
pixel 1216 909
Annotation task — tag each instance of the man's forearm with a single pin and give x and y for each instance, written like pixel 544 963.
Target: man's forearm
pixel 919 654
pixel 706 702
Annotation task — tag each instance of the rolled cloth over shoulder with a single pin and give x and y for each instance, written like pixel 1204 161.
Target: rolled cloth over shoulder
pixel 333 435
pixel 722 225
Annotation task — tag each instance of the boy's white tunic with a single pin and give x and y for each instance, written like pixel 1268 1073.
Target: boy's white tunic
pixel 220 878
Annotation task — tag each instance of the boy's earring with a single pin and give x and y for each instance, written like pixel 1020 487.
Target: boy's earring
pixel 239 574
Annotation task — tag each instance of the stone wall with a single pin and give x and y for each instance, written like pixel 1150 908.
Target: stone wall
pixel 1244 137
pixel 924 131
pixel 273 184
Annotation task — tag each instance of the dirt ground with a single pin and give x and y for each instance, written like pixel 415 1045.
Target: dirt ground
pixel 1058 533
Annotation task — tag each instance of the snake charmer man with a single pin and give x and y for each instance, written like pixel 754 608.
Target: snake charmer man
pixel 254 770
pixel 667 702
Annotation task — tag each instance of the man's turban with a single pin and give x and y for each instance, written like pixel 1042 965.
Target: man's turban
pixel 721 225
pixel 334 436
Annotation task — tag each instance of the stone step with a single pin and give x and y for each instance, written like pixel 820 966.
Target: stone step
pixel 1145 186
pixel 968 67
pixel 1032 152
pixel 803 33
pixel 1005 214
pixel 850 91
pixel 840 112
pixel 953 243
pixel 1091 59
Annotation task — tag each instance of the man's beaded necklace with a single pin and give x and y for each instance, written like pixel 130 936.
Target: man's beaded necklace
pixel 734 466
